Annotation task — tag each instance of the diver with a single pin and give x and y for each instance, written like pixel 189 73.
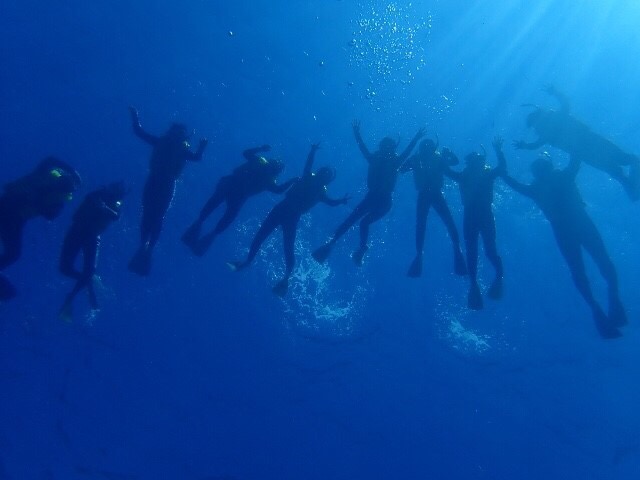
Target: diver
pixel 476 189
pixel 556 194
pixel 303 195
pixel 41 193
pixel 97 211
pixel 429 166
pixel 170 154
pixel 384 165
pixel 562 130
pixel 255 176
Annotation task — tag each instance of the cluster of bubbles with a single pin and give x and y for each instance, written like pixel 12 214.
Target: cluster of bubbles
pixel 314 306
pixel 389 43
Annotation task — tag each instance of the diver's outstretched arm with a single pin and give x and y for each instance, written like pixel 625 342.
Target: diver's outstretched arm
pixel 522 145
pixel 334 202
pixel 573 167
pixel 138 130
pixel 310 157
pixel 197 155
pixel 501 168
pixel 452 174
pixel 565 106
pixel 519 187
pixel 282 187
pixel 361 145
pixel 251 154
pixel 412 144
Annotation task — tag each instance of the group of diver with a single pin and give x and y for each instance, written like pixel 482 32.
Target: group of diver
pixel 45 191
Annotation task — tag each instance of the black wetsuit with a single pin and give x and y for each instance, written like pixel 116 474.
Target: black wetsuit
pixel 559 199
pixel 562 130
pixel 476 189
pixel 381 181
pixel 255 176
pixel 169 157
pixel 428 174
pixel 303 195
pixel 98 210
pixel 42 193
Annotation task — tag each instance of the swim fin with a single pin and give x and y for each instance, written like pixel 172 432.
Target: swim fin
pixel 281 288
pixel 606 328
pixel 495 290
pixel 199 248
pixel 191 235
pixel 474 299
pixel 141 262
pixel 415 270
pixel 459 265
pixel 7 290
pixel 617 313
pixel 358 256
pixel 66 312
pixel 236 266
pixel 322 253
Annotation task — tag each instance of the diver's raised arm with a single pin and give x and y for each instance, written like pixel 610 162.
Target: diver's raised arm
pixel 562 99
pixel 251 154
pixel 279 188
pixel 522 145
pixel 501 168
pixel 412 144
pixel 361 145
pixel 138 130
pixel 573 167
pixel 197 155
pixel 308 166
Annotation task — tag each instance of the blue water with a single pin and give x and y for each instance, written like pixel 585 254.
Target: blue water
pixel 198 373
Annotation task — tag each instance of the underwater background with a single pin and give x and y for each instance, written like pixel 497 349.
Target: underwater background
pixel 198 373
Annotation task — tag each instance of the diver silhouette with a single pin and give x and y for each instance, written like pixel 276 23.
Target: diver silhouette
pixel 304 194
pixel 384 165
pixel 556 194
pixel 562 130
pixel 171 152
pixel 255 176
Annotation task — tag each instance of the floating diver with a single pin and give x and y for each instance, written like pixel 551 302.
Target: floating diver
pixel 562 130
pixel 98 210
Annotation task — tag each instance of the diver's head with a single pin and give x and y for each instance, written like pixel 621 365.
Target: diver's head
pixel 387 144
pixel 534 117
pixel 326 175
pixel 475 160
pixel 428 146
pixel 178 131
pixel 57 188
pixel 542 166
pixel 114 193
pixel 276 166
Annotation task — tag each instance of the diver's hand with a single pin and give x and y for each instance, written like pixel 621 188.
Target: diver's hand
pixel 421 133
pixel 498 141
pixel 135 118
pixel 356 126
pixel 315 146
pixel 550 89
pixel 519 144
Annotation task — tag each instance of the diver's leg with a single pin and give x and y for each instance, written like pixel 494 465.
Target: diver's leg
pixel 322 253
pixel 268 226
pixel 230 214
pixel 70 250
pixel 571 251
pixel 593 244
pixel 442 209
pixel 488 233
pixel 192 234
pixel 379 210
pixel 471 233
pixel 11 244
pixel 422 210
pixel 289 239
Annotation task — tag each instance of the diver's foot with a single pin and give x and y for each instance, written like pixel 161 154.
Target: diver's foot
pixel 605 326
pixel 415 270
pixel 474 299
pixel 459 265
pixel 66 313
pixel 7 290
pixel 322 253
pixel 191 235
pixel 141 262
pixel 237 265
pixel 633 182
pixel 201 247
pixel 495 290
pixel 358 256
pixel 617 313
pixel 281 288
